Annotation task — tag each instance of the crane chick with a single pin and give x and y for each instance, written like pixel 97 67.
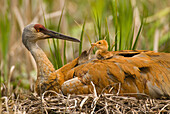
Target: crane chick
pixel 102 52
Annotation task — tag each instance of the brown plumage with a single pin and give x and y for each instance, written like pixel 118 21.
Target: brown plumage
pixel 134 72
pixel 126 73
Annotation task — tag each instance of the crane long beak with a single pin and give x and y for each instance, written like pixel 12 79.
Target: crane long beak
pixel 52 34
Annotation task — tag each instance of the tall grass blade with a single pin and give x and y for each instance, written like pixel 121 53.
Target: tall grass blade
pixel 4 37
pixel 95 30
pixel 58 55
pixel 59 23
pixel 44 16
pixel 65 59
pixel 81 38
pixel 130 44
pixel 120 37
pixel 5 30
pixel 115 23
pixel 73 50
pixel 53 56
pixel 98 9
pixel 137 37
pixel 58 48
pixel 57 51
pixel 107 35
pixel 99 27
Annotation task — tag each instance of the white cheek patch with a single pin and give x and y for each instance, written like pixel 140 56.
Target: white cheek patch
pixel 40 35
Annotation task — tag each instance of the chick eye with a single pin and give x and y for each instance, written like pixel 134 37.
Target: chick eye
pixel 99 42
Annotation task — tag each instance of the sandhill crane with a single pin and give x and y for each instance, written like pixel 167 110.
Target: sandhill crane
pixel 128 72
pixel 46 76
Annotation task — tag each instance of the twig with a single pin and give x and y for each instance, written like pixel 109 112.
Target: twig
pixel 10 75
pixel 156 40
pixel 94 89
pixel 19 18
pixel 117 108
pixel 95 99
pixel 109 86
pixel 143 94
pixel 106 107
pixel 163 108
pixel 83 101
pixel 121 97
pixel 67 103
pixel 6 104
pixel 117 102
pixel 118 89
pixel 53 14
pixel 51 91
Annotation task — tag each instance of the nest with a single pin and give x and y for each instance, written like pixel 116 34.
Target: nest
pixel 52 102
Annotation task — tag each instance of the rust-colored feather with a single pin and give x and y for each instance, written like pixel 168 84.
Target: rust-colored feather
pixel 137 71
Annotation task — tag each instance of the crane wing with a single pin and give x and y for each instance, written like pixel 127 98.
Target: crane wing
pixel 144 72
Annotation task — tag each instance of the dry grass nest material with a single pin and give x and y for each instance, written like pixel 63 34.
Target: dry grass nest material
pixel 52 102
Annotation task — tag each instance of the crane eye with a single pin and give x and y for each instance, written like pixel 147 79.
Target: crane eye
pixel 40 29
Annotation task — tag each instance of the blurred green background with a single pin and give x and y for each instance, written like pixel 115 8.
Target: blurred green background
pixel 125 24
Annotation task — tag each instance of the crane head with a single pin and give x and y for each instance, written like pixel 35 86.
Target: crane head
pixel 35 32
pixel 101 44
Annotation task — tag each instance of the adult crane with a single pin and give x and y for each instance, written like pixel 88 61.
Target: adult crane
pixel 128 72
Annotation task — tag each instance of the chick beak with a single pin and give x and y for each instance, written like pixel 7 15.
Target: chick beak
pixel 93 44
